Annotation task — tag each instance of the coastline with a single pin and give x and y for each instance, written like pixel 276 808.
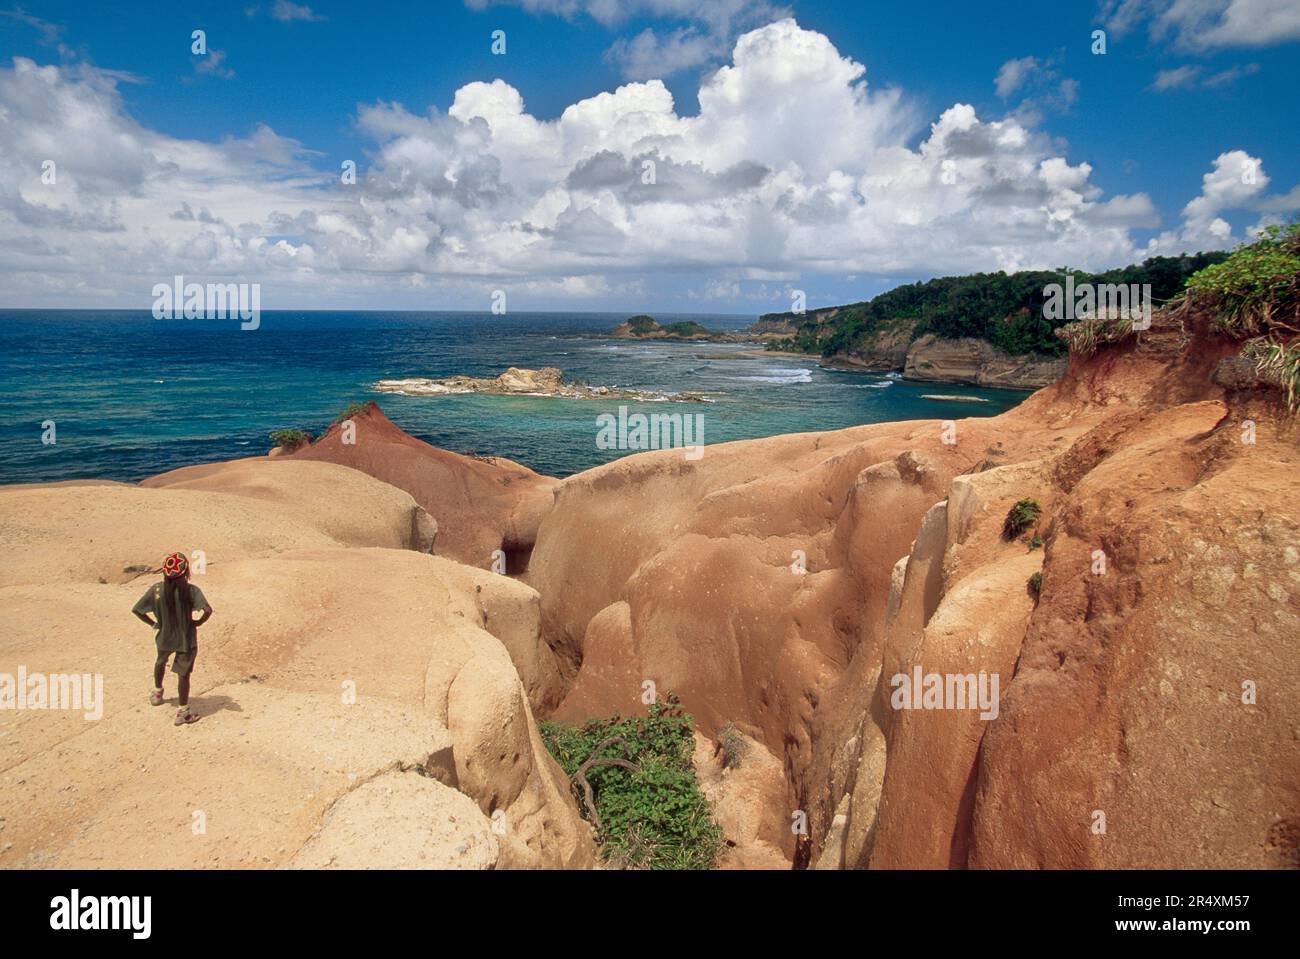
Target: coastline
pixel 843 364
pixel 527 628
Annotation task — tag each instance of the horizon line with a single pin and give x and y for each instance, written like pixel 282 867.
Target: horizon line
pixel 145 309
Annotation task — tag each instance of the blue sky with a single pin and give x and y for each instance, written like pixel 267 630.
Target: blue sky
pixel 822 160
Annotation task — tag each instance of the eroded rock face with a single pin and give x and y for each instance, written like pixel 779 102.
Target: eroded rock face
pixel 748 802
pixel 743 582
pixel 1120 689
pixel 1122 695
pixel 979 363
pixel 1128 701
pixel 878 350
pixel 484 510
pixel 336 657
pixel 780 584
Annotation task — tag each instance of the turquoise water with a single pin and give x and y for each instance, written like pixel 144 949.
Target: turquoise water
pixel 132 396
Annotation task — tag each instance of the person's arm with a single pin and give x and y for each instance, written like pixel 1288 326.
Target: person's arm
pixel 200 602
pixel 144 607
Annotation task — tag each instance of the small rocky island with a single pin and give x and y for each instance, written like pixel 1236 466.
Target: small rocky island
pixel 642 327
pixel 518 381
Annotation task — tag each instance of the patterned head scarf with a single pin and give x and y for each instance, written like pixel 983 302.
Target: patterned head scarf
pixel 175 566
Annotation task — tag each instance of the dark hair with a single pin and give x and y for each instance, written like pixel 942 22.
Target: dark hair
pixel 177 605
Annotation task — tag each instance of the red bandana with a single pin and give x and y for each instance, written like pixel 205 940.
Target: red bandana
pixel 175 566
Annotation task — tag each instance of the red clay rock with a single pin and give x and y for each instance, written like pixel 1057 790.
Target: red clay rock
pixel 1120 693
pixel 481 505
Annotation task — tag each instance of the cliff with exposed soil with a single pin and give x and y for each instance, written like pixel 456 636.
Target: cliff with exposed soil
pixel 978 363
pixel 781 584
pixel 1142 632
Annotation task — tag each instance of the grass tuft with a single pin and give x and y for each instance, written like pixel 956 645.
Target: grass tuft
pixel 290 439
pixel 1020 517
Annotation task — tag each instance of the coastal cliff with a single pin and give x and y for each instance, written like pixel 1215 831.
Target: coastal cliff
pixel 896 346
pixel 929 358
pixel 978 363
pixel 781 584
pixel 1142 625
pixel 985 329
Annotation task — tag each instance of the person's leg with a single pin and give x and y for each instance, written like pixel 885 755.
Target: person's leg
pixel 183 666
pixel 159 668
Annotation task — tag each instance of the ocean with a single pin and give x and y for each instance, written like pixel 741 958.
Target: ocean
pixel 131 396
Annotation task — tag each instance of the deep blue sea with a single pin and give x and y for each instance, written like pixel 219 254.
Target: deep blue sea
pixel 132 396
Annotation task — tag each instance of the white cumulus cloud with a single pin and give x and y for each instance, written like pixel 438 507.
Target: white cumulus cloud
pixel 794 167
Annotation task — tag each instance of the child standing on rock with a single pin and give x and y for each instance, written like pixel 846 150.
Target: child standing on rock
pixel 171 605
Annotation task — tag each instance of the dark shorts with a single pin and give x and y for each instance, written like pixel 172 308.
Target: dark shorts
pixel 183 664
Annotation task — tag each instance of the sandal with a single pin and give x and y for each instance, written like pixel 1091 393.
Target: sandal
pixel 155 697
pixel 184 717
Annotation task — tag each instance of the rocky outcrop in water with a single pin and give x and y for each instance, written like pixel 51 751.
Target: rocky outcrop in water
pixel 688 331
pixel 517 381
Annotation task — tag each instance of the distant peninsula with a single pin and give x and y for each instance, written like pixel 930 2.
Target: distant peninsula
pixel 985 329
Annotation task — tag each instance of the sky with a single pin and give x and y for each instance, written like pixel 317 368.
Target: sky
pixel 638 155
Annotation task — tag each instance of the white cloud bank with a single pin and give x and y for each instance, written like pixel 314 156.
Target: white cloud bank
pixel 794 166
pixel 1208 24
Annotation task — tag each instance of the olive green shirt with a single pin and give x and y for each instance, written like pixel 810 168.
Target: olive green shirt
pixel 172 636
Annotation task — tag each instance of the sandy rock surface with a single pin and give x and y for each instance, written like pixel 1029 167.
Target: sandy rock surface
pixel 1147 707
pixel 401 821
pixel 335 656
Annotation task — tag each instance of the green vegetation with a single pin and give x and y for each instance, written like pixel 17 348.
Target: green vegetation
pixel 295 438
pixel 290 438
pixel 351 410
pixel 1280 363
pixel 1035 585
pixel 732 744
pixel 1085 335
pixel 1036 543
pixel 1254 295
pixel 1256 290
pixel 1022 516
pixel 1004 309
pixel 635 783
pixel 642 325
pixel 684 328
